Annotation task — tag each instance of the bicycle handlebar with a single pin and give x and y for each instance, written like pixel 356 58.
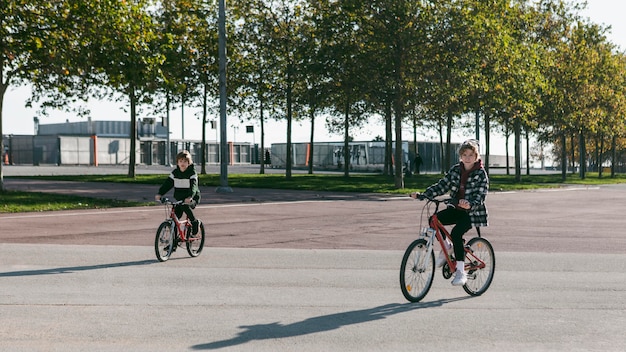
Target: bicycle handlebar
pixel 436 200
pixel 165 200
pixel 446 200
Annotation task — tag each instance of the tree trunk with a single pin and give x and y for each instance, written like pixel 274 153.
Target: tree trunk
pixel 311 143
pixel 448 161
pixel 399 175
pixel 133 132
pixel 262 120
pixel 582 151
pixel 573 148
pixel 442 151
pixel 204 116
pixel 563 157
pixel 487 143
pixel 507 135
pixel 613 155
pixel 599 152
pixel 388 168
pixel 289 118
pixel 527 152
pixel 518 150
pixel 346 139
pixel 3 89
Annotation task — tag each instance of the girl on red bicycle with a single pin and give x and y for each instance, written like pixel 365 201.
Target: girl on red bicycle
pixel 468 184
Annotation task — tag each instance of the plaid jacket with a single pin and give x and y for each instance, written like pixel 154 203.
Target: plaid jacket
pixel 475 191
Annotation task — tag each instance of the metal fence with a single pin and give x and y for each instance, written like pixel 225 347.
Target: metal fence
pixel 94 150
pixel 363 155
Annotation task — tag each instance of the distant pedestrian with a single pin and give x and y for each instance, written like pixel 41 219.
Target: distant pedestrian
pixel 267 160
pixel 417 163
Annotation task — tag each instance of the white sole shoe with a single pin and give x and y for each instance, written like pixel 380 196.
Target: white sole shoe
pixel 460 278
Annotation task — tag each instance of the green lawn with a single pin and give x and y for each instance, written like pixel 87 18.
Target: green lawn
pixel 24 201
pixel 16 202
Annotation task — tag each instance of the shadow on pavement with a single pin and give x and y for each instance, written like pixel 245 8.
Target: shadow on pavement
pixel 320 324
pixel 72 269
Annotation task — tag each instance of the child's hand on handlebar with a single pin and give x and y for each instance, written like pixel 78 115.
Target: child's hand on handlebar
pixel 417 195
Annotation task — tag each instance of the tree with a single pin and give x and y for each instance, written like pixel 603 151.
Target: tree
pixel 40 44
pixel 254 67
pixel 446 82
pixel 394 35
pixel 24 31
pixel 341 35
pixel 310 92
pixel 120 49
pixel 188 42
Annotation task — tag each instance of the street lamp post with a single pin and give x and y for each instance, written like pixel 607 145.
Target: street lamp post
pixel 223 188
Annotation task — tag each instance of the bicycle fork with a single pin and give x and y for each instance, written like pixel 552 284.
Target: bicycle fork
pixel 427 234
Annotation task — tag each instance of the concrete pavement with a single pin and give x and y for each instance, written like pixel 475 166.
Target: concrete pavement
pixel 118 298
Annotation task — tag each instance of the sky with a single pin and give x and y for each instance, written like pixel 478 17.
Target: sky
pixel 18 120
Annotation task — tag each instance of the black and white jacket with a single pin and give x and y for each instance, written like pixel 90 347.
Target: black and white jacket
pixel 185 184
pixel 476 190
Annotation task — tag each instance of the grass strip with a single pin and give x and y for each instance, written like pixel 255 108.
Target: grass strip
pixel 365 183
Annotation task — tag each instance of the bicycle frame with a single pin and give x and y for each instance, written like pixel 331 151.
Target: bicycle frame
pixel 181 225
pixel 418 266
pixel 174 232
pixel 440 234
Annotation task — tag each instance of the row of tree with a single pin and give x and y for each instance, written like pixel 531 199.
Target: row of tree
pixel 512 66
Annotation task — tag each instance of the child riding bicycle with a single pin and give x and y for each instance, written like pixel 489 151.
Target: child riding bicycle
pixel 468 184
pixel 184 180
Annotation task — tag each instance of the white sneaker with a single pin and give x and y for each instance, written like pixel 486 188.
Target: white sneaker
pixel 460 278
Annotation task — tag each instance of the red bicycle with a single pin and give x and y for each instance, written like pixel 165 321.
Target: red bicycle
pixel 173 232
pixel 417 270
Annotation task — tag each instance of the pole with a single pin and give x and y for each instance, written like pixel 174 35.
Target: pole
pixel 223 188
pixel 167 138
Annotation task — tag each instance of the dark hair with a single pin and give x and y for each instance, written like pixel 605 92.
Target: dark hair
pixel 184 155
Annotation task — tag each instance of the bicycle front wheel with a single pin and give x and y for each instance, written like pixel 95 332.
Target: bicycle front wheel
pixel 417 271
pixel 164 241
pixel 480 263
pixel 196 243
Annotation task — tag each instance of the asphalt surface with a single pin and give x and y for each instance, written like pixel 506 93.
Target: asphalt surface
pixel 309 271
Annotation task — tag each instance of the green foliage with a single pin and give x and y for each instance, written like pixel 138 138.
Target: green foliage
pixel 524 66
pixel 15 202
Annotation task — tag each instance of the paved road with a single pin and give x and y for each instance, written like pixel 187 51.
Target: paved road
pixel 312 272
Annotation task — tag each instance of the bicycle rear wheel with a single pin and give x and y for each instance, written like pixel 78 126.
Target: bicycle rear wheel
pixel 164 241
pixel 480 263
pixel 417 271
pixel 196 243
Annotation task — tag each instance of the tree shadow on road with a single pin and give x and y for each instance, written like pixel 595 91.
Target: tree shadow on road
pixel 320 323
pixel 72 269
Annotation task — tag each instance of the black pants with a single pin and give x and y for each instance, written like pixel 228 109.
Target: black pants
pixel 461 219
pixel 184 208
